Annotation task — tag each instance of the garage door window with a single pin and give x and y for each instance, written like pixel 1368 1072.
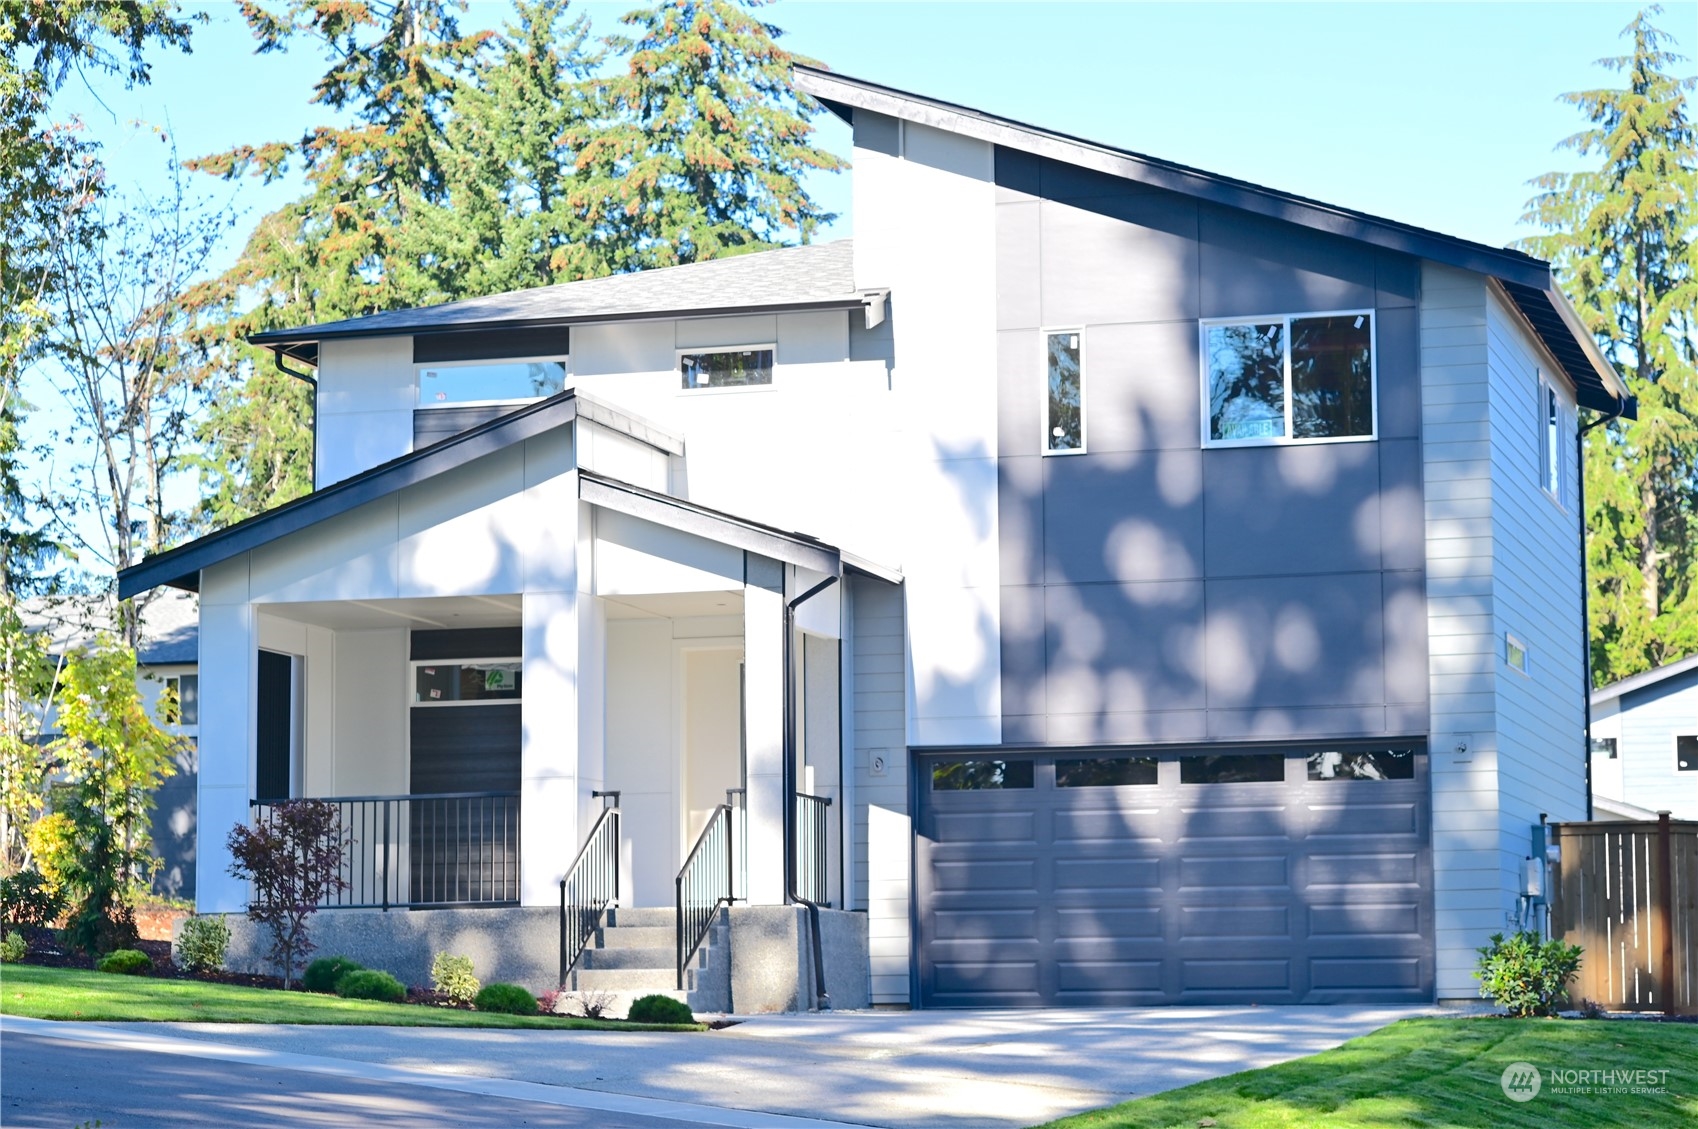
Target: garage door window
pixel 1363 764
pixel 1105 772
pixel 1257 768
pixel 973 776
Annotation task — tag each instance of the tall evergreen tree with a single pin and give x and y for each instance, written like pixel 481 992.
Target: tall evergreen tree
pixel 1623 237
pixel 703 143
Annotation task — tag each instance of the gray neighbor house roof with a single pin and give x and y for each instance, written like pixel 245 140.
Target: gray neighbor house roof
pixel 1644 679
pixel 169 634
pixel 815 276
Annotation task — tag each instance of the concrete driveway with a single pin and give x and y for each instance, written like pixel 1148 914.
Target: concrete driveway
pixel 906 1070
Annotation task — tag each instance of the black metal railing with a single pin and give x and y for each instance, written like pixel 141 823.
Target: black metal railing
pixel 590 886
pixel 737 799
pixel 812 848
pixel 704 884
pixel 425 850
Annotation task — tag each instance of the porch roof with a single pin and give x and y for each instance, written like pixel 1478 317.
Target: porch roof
pixel 181 567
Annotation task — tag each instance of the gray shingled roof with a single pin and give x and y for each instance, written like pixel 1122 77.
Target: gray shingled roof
pixel 814 275
pixel 170 625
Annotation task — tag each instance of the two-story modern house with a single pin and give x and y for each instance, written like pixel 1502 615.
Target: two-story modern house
pixel 1102 582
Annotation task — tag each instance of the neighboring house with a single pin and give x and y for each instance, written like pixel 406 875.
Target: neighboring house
pixel 1645 744
pixel 1201 618
pixel 168 656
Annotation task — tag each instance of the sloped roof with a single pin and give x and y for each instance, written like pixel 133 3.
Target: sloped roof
pixel 170 624
pixel 1526 280
pixel 813 276
pixel 1644 679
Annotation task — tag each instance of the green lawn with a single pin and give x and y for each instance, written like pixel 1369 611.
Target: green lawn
pixel 64 993
pixel 1438 1072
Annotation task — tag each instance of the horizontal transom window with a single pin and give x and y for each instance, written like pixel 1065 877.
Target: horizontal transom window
pixel 489 382
pixel 482 680
pixel 726 368
pixel 973 776
pixel 1363 764
pixel 1288 378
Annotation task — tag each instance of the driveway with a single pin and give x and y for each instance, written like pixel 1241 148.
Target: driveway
pixel 906 1070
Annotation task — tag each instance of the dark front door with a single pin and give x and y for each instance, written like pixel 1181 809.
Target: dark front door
pixel 1113 879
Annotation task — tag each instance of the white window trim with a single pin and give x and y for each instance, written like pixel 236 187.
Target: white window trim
pixel 413 682
pixel 730 389
pixel 564 360
pixel 1043 368
pixel 1551 457
pixel 1287 440
pixel 1674 751
pixel 1511 640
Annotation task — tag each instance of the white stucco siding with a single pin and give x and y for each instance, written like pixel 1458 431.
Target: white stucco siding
pixel 365 405
pixel 1457 477
pixel 942 278
pixel 1536 593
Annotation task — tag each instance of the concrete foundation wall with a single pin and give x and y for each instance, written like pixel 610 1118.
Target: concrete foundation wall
pixel 772 959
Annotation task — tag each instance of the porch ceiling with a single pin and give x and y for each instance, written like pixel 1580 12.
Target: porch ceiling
pixel 674 605
pixel 435 612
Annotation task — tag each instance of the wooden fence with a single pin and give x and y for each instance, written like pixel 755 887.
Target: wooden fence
pixel 1627 893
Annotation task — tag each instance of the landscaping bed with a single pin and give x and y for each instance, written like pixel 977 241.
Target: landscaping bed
pixel 1440 1072
pixel 71 993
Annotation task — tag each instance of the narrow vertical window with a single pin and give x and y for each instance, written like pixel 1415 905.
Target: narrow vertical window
pixel 1553 448
pixel 1065 416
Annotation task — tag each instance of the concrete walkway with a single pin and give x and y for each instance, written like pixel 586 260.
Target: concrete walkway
pixel 906 1070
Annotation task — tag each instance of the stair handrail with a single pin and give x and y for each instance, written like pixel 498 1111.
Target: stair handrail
pixel 704 884
pixel 590 885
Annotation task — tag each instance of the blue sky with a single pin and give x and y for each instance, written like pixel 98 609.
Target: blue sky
pixel 1433 114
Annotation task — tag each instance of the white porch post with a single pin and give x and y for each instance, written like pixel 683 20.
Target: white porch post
pixel 229 658
pixel 763 728
pixel 548 786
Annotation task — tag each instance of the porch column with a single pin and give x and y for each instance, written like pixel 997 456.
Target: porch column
pixel 548 785
pixel 229 660
pixel 763 727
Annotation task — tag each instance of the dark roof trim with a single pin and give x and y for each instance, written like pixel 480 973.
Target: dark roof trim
pixel 1643 679
pixel 1596 382
pixel 302 343
pixel 181 567
pixel 714 525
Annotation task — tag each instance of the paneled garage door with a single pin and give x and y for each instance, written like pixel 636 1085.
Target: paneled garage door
pixel 1117 879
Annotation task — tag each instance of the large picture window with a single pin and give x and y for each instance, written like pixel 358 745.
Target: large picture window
pixel 726 368
pixel 489 382
pixel 1288 378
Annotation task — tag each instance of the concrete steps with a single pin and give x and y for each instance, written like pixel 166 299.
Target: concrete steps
pixel 635 952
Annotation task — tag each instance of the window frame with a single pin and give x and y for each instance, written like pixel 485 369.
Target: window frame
pixel 175 681
pixel 1044 334
pixel 1674 747
pixel 563 359
pixel 1288 439
pixel 1512 643
pixel 413 683
pixel 679 354
pixel 1551 419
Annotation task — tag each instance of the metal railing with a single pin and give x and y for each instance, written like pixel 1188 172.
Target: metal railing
pixel 704 884
pixel 737 799
pixel 813 848
pixel 590 886
pixel 424 850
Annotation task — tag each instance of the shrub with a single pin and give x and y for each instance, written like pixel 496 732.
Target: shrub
pixel 1527 975
pixel 293 857
pixel 508 998
pixel 129 962
pixel 659 1009
pixel 370 984
pixel 27 898
pixel 452 976
pixel 13 948
pixel 323 974
pixel 201 944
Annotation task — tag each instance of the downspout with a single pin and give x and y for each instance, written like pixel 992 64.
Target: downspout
pixel 1585 589
pixel 790 891
pixel 312 382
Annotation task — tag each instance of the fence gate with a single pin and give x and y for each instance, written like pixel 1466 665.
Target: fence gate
pixel 1627 893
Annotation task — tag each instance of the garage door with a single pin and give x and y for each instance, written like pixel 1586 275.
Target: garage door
pixel 1118 879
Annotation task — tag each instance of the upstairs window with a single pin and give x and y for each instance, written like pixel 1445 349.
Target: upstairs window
pixel 1550 441
pixel 469 383
pixel 1288 378
pixel 1064 400
pixel 726 368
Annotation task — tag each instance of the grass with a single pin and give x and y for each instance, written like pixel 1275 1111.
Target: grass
pixel 1438 1072
pixel 68 993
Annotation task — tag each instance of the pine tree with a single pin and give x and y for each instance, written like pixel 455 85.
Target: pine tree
pixel 1623 238
pixel 703 143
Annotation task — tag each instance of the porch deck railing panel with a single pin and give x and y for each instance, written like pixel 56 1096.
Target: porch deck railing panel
pixel 425 850
pixel 813 848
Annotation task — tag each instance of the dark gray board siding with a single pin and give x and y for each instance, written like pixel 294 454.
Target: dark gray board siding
pixel 1294 891
pixel 465 850
pixel 431 425
pixel 1157 591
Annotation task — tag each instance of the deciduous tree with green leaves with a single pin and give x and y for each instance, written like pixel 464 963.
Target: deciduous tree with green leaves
pixel 1623 237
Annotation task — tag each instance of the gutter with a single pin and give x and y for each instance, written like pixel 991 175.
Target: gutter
pixel 311 381
pixel 790 892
